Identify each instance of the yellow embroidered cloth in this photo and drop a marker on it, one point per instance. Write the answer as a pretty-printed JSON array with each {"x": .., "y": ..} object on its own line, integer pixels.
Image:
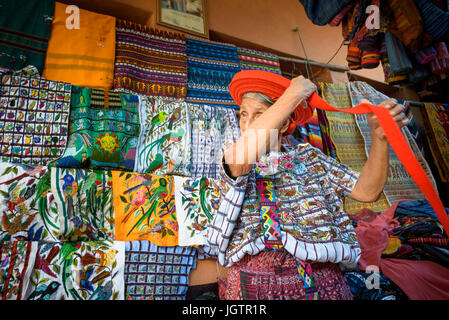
[{"x": 82, "y": 56}]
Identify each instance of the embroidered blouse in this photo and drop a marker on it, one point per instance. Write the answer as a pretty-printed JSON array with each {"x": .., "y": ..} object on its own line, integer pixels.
[{"x": 309, "y": 188}]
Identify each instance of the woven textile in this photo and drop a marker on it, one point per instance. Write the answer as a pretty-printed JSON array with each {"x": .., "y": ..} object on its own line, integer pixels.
[
  {"x": 83, "y": 54},
  {"x": 34, "y": 116},
  {"x": 150, "y": 61},
  {"x": 348, "y": 142},
  {"x": 157, "y": 273},
  {"x": 164, "y": 142},
  {"x": 104, "y": 130},
  {"x": 436, "y": 122},
  {"x": 145, "y": 208},
  {"x": 258, "y": 60},
  {"x": 84, "y": 204},
  {"x": 213, "y": 129},
  {"x": 387, "y": 290},
  {"x": 399, "y": 184},
  {"x": 210, "y": 68},
  {"x": 24, "y": 32}
]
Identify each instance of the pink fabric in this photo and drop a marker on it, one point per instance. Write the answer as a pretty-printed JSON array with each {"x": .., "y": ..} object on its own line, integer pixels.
[{"x": 418, "y": 279}]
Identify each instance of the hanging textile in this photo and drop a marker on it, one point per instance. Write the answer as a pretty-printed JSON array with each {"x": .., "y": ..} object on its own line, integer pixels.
[
  {"x": 210, "y": 68},
  {"x": 436, "y": 123},
  {"x": 213, "y": 130},
  {"x": 436, "y": 20},
  {"x": 104, "y": 130},
  {"x": 322, "y": 12},
  {"x": 197, "y": 201},
  {"x": 83, "y": 54},
  {"x": 91, "y": 270},
  {"x": 150, "y": 61},
  {"x": 157, "y": 273},
  {"x": 24, "y": 32},
  {"x": 400, "y": 184},
  {"x": 144, "y": 206},
  {"x": 397, "y": 55},
  {"x": 258, "y": 60},
  {"x": 34, "y": 119},
  {"x": 348, "y": 142},
  {"x": 16, "y": 265},
  {"x": 164, "y": 142},
  {"x": 386, "y": 290},
  {"x": 84, "y": 203}
]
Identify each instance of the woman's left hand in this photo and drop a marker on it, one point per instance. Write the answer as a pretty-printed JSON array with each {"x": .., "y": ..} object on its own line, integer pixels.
[{"x": 396, "y": 111}]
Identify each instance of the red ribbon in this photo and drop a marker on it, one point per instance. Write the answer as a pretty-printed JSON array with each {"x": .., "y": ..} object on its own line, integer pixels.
[{"x": 273, "y": 85}]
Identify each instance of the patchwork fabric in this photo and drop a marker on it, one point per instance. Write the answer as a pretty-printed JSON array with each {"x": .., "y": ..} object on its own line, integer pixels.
[
  {"x": 213, "y": 130},
  {"x": 150, "y": 61},
  {"x": 77, "y": 271},
  {"x": 16, "y": 265},
  {"x": 258, "y": 60},
  {"x": 196, "y": 200},
  {"x": 104, "y": 129},
  {"x": 34, "y": 116},
  {"x": 210, "y": 68},
  {"x": 157, "y": 273},
  {"x": 24, "y": 32},
  {"x": 348, "y": 142},
  {"x": 84, "y": 204},
  {"x": 399, "y": 185},
  {"x": 83, "y": 54},
  {"x": 23, "y": 214},
  {"x": 145, "y": 209},
  {"x": 309, "y": 189},
  {"x": 164, "y": 143}
]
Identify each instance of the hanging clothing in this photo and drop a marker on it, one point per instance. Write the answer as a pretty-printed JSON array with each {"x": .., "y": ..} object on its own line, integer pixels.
[
  {"x": 24, "y": 33},
  {"x": 322, "y": 12},
  {"x": 81, "y": 50}
]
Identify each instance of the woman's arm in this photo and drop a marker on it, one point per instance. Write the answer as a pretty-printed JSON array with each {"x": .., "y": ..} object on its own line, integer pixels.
[
  {"x": 255, "y": 141},
  {"x": 374, "y": 174}
]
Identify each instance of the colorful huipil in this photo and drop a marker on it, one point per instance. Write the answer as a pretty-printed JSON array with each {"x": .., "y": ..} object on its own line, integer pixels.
[
  {"x": 251, "y": 59},
  {"x": 310, "y": 188},
  {"x": 145, "y": 209},
  {"x": 34, "y": 117},
  {"x": 196, "y": 200},
  {"x": 157, "y": 273},
  {"x": 84, "y": 204},
  {"x": 150, "y": 61},
  {"x": 104, "y": 130},
  {"x": 164, "y": 142},
  {"x": 91, "y": 270}
]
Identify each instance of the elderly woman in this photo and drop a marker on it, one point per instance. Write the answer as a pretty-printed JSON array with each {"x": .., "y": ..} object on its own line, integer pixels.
[{"x": 281, "y": 226}]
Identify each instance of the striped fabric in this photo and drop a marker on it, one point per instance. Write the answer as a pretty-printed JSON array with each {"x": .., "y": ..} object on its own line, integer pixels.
[
  {"x": 150, "y": 61},
  {"x": 25, "y": 28},
  {"x": 436, "y": 21},
  {"x": 370, "y": 59},
  {"x": 211, "y": 66},
  {"x": 397, "y": 55},
  {"x": 258, "y": 60}
]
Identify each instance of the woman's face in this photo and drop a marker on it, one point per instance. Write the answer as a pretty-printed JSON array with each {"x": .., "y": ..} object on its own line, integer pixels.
[{"x": 250, "y": 110}]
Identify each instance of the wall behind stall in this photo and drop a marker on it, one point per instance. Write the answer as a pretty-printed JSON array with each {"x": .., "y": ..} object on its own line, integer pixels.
[{"x": 267, "y": 23}]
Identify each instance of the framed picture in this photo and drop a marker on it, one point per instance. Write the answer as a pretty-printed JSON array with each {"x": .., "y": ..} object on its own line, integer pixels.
[{"x": 188, "y": 16}]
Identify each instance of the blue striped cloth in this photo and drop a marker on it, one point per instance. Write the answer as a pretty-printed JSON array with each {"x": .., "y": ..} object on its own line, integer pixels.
[
  {"x": 436, "y": 21},
  {"x": 397, "y": 55}
]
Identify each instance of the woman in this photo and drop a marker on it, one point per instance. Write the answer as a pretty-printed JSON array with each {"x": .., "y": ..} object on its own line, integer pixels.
[{"x": 282, "y": 211}]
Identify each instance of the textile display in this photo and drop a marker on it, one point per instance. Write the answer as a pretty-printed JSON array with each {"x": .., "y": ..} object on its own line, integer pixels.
[
  {"x": 309, "y": 187},
  {"x": 210, "y": 68},
  {"x": 16, "y": 265},
  {"x": 251, "y": 59},
  {"x": 24, "y": 36},
  {"x": 84, "y": 204},
  {"x": 77, "y": 271},
  {"x": 157, "y": 273},
  {"x": 399, "y": 184},
  {"x": 320, "y": 12},
  {"x": 34, "y": 119},
  {"x": 144, "y": 206},
  {"x": 21, "y": 208},
  {"x": 87, "y": 55},
  {"x": 435, "y": 20},
  {"x": 387, "y": 290},
  {"x": 164, "y": 142},
  {"x": 197, "y": 201},
  {"x": 214, "y": 129},
  {"x": 104, "y": 130},
  {"x": 150, "y": 61},
  {"x": 348, "y": 141},
  {"x": 397, "y": 56}
]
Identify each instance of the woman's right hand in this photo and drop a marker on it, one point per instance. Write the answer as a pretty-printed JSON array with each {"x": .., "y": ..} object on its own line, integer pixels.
[{"x": 301, "y": 87}]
